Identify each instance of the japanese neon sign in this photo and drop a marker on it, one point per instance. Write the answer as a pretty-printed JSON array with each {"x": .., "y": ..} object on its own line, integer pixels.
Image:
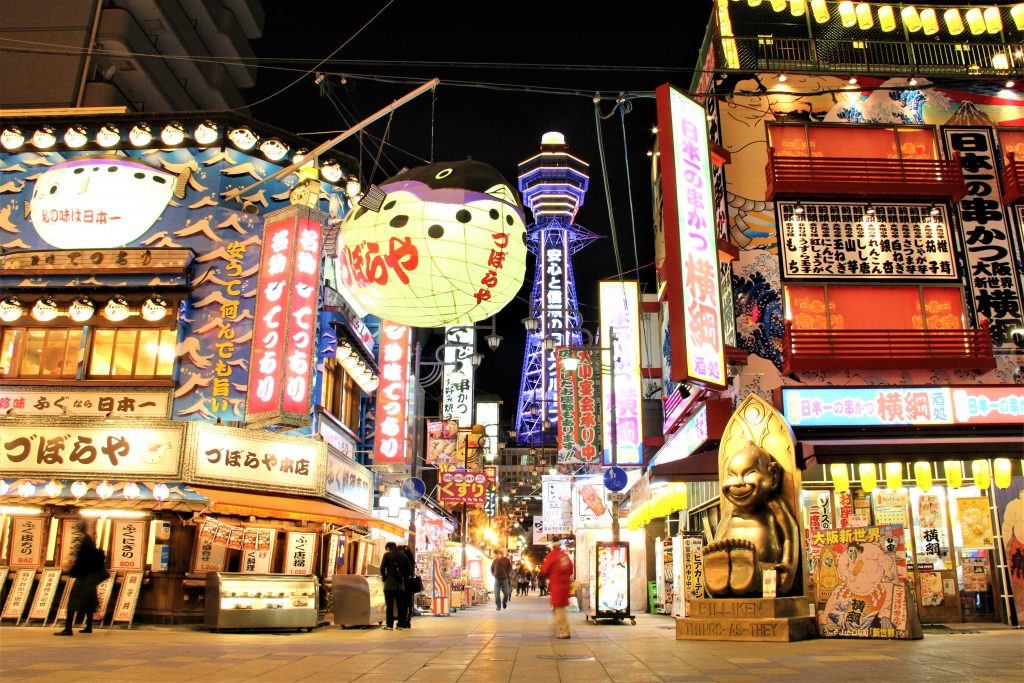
[
  {"x": 691, "y": 260},
  {"x": 684, "y": 440},
  {"x": 393, "y": 394},
  {"x": 283, "y": 331},
  {"x": 903, "y": 406},
  {"x": 457, "y": 397},
  {"x": 620, "y": 330},
  {"x": 579, "y": 409}
]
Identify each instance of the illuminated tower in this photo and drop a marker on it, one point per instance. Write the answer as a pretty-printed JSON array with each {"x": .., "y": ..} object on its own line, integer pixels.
[{"x": 553, "y": 184}]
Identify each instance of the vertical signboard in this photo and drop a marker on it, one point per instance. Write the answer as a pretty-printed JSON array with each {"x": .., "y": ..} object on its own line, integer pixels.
[
  {"x": 555, "y": 318},
  {"x": 691, "y": 258},
  {"x": 298, "y": 556},
  {"x": 457, "y": 397},
  {"x": 17, "y": 598},
  {"x": 128, "y": 545},
  {"x": 995, "y": 291},
  {"x": 27, "y": 534},
  {"x": 127, "y": 598},
  {"x": 71, "y": 535},
  {"x": 488, "y": 414},
  {"x": 620, "y": 332},
  {"x": 393, "y": 395},
  {"x": 579, "y": 409},
  {"x": 45, "y": 592},
  {"x": 557, "y": 492},
  {"x": 285, "y": 325},
  {"x": 257, "y": 550}
]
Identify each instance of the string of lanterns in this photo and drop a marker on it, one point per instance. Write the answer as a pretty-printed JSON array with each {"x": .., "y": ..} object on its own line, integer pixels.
[
  {"x": 104, "y": 490},
  {"x": 663, "y": 502},
  {"x": 356, "y": 367},
  {"x": 1001, "y": 473},
  {"x": 862, "y": 15},
  {"x": 82, "y": 309}
]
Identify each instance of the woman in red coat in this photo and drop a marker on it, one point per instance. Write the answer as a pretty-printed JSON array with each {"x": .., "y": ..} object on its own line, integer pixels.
[{"x": 558, "y": 570}]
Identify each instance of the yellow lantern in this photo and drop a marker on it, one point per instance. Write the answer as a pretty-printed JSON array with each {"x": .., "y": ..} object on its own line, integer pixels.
[
  {"x": 893, "y": 475},
  {"x": 982, "y": 476},
  {"x": 864, "y": 17},
  {"x": 954, "y": 470},
  {"x": 680, "y": 494},
  {"x": 424, "y": 256},
  {"x": 993, "y": 20},
  {"x": 840, "y": 476},
  {"x": 929, "y": 21},
  {"x": 820, "y": 10},
  {"x": 847, "y": 14},
  {"x": 975, "y": 20},
  {"x": 868, "y": 476},
  {"x": 778, "y": 5},
  {"x": 1017, "y": 14},
  {"x": 1002, "y": 471},
  {"x": 886, "y": 18},
  {"x": 911, "y": 19},
  {"x": 923, "y": 475},
  {"x": 954, "y": 23},
  {"x": 797, "y": 7}
]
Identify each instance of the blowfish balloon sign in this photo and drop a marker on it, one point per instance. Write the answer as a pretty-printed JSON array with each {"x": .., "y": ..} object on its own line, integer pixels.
[{"x": 447, "y": 246}]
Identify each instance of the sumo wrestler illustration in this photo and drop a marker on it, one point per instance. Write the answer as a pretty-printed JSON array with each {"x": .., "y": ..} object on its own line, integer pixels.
[
  {"x": 442, "y": 244},
  {"x": 758, "y": 530}
]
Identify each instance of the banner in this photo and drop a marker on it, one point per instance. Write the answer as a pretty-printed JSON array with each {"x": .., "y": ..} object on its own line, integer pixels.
[
  {"x": 457, "y": 486},
  {"x": 975, "y": 522},
  {"x": 579, "y": 408},
  {"x": 457, "y": 386},
  {"x": 257, "y": 550},
  {"x": 860, "y": 576},
  {"x": 557, "y": 492},
  {"x": 590, "y": 506},
  {"x": 442, "y": 441},
  {"x": 391, "y": 439},
  {"x": 540, "y": 537}
]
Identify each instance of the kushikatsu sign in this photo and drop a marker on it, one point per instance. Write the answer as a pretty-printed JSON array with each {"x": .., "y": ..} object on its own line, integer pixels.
[
  {"x": 691, "y": 261},
  {"x": 285, "y": 325},
  {"x": 620, "y": 332},
  {"x": 393, "y": 395}
]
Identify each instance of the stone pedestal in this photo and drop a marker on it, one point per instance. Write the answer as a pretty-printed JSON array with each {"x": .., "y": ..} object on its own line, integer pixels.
[{"x": 747, "y": 619}]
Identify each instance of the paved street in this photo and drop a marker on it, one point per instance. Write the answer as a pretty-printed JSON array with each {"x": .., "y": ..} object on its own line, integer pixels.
[{"x": 481, "y": 644}]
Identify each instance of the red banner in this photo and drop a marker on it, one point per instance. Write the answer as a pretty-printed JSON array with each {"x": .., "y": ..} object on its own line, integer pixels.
[
  {"x": 579, "y": 410},
  {"x": 282, "y": 344},
  {"x": 393, "y": 394},
  {"x": 463, "y": 487}
]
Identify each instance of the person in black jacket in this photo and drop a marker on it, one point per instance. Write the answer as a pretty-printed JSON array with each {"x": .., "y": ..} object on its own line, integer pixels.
[
  {"x": 412, "y": 587},
  {"x": 89, "y": 571},
  {"x": 395, "y": 568}
]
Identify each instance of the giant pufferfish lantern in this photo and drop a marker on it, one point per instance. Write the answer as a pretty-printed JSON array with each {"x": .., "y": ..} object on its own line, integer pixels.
[{"x": 446, "y": 247}]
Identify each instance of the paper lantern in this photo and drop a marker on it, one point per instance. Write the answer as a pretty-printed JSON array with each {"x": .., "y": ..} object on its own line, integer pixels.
[
  {"x": 929, "y": 21},
  {"x": 982, "y": 476},
  {"x": 954, "y": 470},
  {"x": 104, "y": 490},
  {"x": 820, "y": 10},
  {"x": 975, "y": 20},
  {"x": 160, "y": 492},
  {"x": 1002, "y": 471},
  {"x": 893, "y": 475},
  {"x": 847, "y": 14},
  {"x": 52, "y": 488},
  {"x": 797, "y": 7},
  {"x": 446, "y": 247},
  {"x": 840, "y": 476},
  {"x": 679, "y": 496},
  {"x": 911, "y": 19},
  {"x": 993, "y": 20},
  {"x": 79, "y": 489},
  {"x": 26, "y": 489},
  {"x": 779, "y": 5},
  {"x": 864, "y": 17},
  {"x": 954, "y": 22},
  {"x": 886, "y": 18},
  {"x": 4, "y": 487},
  {"x": 923, "y": 475},
  {"x": 868, "y": 476},
  {"x": 131, "y": 490},
  {"x": 1017, "y": 14}
]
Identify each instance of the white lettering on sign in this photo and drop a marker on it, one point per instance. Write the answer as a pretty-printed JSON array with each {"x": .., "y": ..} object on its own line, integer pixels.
[{"x": 393, "y": 394}]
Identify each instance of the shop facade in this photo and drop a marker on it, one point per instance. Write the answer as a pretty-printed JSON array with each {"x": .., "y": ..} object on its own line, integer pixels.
[{"x": 157, "y": 373}]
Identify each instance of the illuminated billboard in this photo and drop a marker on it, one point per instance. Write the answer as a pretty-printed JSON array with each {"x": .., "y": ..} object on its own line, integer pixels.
[{"x": 620, "y": 332}]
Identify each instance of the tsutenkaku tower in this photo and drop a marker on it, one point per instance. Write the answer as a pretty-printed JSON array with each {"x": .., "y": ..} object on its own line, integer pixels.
[{"x": 553, "y": 184}]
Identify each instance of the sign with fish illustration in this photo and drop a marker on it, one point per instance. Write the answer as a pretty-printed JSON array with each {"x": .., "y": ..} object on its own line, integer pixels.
[
  {"x": 131, "y": 219},
  {"x": 442, "y": 244}
]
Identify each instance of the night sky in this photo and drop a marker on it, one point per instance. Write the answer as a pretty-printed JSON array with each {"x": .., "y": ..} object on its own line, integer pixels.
[{"x": 496, "y": 112}]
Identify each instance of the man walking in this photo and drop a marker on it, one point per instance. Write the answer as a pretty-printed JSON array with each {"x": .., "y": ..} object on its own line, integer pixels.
[
  {"x": 395, "y": 569},
  {"x": 501, "y": 570}
]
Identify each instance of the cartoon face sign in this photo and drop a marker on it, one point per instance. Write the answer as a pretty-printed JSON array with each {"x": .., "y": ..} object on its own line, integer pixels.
[
  {"x": 99, "y": 203},
  {"x": 447, "y": 247},
  {"x": 751, "y": 478}
]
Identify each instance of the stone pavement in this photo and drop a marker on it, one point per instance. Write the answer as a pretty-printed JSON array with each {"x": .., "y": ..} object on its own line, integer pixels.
[{"x": 484, "y": 645}]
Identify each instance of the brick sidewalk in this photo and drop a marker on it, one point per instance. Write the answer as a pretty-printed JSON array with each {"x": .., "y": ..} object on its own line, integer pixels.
[{"x": 481, "y": 644}]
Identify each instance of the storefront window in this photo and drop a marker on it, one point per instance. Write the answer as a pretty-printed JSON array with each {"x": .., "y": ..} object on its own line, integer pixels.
[
  {"x": 40, "y": 352},
  {"x": 340, "y": 394},
  {"x": 820, "y": 307},
  {"x": 138, "y": 353}
]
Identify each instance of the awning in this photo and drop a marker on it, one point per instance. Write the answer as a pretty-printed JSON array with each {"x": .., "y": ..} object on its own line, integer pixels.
[
  {"x": 907, "y": 449},
  {"x": 285, "y": 507}
]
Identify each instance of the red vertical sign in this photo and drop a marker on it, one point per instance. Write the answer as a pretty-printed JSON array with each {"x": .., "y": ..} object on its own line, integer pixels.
[
  {"x": 286, "y": 309},
  {"x": 392, "y": 394}
]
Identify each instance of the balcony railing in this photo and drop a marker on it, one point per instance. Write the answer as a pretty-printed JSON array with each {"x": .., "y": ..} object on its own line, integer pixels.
[
  {"x": 1013, "y": 180},
  {"x": 833, "y": 176},
  {"x": 969, "y": 349},
  {"x": 790, "y": 55}
]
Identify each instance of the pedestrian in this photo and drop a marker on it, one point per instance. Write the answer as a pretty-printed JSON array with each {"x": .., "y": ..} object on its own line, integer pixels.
[
  {"x": 395, "y": 569},
  {"x": 558, "y": 570},
  {"x": 524, "y": 581},
  {"x": 413, "y": 586},
  {"x": 501, "y": 570},
  {"x": 542, "y": 584},
  {"x": 89, "y": 571}
]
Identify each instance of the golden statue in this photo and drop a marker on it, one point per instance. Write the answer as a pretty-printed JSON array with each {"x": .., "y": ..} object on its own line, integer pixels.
[{"x": 758, "y": 530}]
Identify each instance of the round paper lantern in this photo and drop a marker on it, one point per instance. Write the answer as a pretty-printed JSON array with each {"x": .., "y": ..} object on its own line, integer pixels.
[
  {"x": 26, "y": 489},
  {"x": 868, "y": 476},
  {"x": 161, "y": 491},
  {"x": 840, "y": 476},
  {"x": 4, "y": 487},
  {"x": 982, "y": 476},
  {"x": 53, "y": 488},
  {"x": 954, "y": 470},
  {"x": 447, "y": 245},
  {"x": 131, "y": 490},
  {"x": 1001, "y": 469},
  {"x": 104, "y": 489},
  {"x": 893, "y": 475},
  {"x": 923, "y": 475},
  {"x": 79, "y": 489}
]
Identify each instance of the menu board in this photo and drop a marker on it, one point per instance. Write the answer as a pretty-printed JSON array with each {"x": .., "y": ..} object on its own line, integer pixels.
[
  {"x": 612, "y": 579},
  {"x": 124, "y": 608},
  {"x": 257, "y": 550},
  {"x": 27, "y": 534},
  {"x": 128, "y": 545},
  {"x": 298, "y": 556},
  {"x": 210, "y": 557},
  {"x": 45, "y": 593},
  {"x": 17, "y": 599}
]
